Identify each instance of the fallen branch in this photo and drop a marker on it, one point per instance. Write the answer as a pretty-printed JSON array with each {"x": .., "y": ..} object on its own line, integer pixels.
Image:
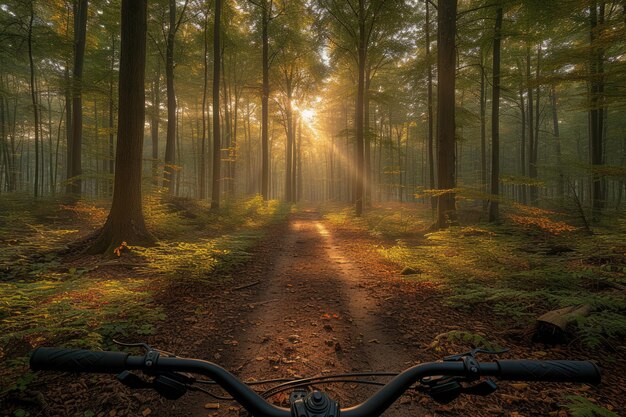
[
  {"x": 260, "y": 303},
  {"x": 243, "y": 287}
]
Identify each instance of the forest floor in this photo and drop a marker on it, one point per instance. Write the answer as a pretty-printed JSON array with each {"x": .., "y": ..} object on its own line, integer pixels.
[{"x": 326, "y": 295}]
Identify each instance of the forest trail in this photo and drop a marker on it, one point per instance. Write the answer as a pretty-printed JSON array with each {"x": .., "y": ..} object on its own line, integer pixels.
[{"x": 313, "y": 312}]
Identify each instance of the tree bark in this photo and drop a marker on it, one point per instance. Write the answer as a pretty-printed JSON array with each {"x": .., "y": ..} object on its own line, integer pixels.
[
  {"x": 446, "y": 129},
  {"x": 531, "y": 127},
  {"x": 111, "y": 119},
  {"x": 80, "y": 39},
  {"x": 560, "y": 184},
  {"x": 125, "y": 222},
  {"x": 596, "y": 117},
  {"x": 170, "y": 141},
  {"x": 483, "y": 128},
  {"x": 33, "y": 95},
  {"x": 522, "y": 196},
  {"x": 431, "y": 153},
  {"x": 68, "y": 130},
  {"x": 265, "y": 94},
  {"x": 155, "y": 122},
  {"x": 298, "y": 159},
  {"x": 359, "y": 119},
  {"x": 368, "y": 138},
  {"x": 203, "y": 138},
  {"x": 217, "y": 146},
  {"x": 534, "y": 190},
  {"x": 494, "y": 213},
  {"x": 289, "y": 147}
]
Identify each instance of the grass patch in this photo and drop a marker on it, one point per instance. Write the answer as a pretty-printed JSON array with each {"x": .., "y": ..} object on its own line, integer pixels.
[
  {"x": 51, "y": 300},
  {"x": 532, "y": 263}
]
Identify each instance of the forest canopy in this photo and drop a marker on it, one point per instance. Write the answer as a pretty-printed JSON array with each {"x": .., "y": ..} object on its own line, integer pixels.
[{"x": 357, "y": 101}]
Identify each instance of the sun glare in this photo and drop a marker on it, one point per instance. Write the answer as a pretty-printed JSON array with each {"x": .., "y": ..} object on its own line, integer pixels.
[{"x": 308, "y": 115}]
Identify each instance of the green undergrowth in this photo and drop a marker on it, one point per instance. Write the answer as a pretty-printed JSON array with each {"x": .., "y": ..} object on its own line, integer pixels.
[
  {"x": 48, "y": 299},
  {"x": 582, "y": 407},
  {"x": 391, "y": 221},
  {"x": 532, "y": 263}
]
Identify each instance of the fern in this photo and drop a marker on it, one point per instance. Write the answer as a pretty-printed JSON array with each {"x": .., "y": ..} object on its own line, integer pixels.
[
  {"x": 582, "y": 407},
  {"x": 596, "y": 328}
]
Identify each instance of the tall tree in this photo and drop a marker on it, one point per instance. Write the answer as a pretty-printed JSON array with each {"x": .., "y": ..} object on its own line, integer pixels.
[
  {"x": 125, "y": 222},
  {"x": 217, "y": 138},
  {"x": 431, "y": 157},
  {"x": 267, "y": 16},
  {"x": 495, "y": 121},
  {"x": 170, "y": 141},
  {"x": 446, "y": 125},
  {"x": 205, "y": 81},
  {"x": 80, "y": 40},
  {"x": 33, "y": 93},
  {"x": 596, "y": 104}
]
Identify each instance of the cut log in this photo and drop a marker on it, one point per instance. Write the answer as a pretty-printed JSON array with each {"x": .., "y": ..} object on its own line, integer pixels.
[{"x": 552, "y": 326}]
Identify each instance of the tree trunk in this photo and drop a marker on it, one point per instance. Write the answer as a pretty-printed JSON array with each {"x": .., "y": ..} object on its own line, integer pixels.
[
  {"x": 50, "y": 144},
  {"x": 33, "y": 95},
  {"x": 534, "y": 190},
  {"x": 494, "y": 213},
  {"x": 217, "y": 146},
  {"x": 531, "y": 127},
  {"x": 446, "y": 67},
  {"x": 68, "y": 130},
  {"x": 203, "y": 138},
  {"x": 596, "y": 119},
  {"x": 560, "y": 185},
  {"x": 298, "y": 159},
  {"x": 360, "y": 140},
  {"x": 367, "y": 152},
  {"x": 155, "y": 122},
  {"x": 522, "y": 197},
  {"x": 289, "y": 148},
  {"x": 111, "y": 120},
  {"x": 80, "y": 39},
  {"x": 227, "y": 139},
  {"x": 483, "y": 129},
  {"x": 170, "y": 141},
  {"x": 431, "y": 153},
  {"x": 4, "y": 140},
  {"x": 265, "y": 94},
  {"x": 126, "y": 222}
]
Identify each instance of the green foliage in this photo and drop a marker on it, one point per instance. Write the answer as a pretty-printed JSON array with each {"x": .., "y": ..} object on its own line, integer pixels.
[
  {"x": 389, "y": 222},
  {"x": 582, "y": 407},
  {"x": 513, "y": 270},
  {"x": 601, "y": 327},
  {"x": 189, "y": 253},
  {"x": 44, "y": 302}
]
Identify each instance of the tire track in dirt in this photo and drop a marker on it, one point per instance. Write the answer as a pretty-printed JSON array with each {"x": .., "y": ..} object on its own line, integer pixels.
[{"x": 314, "y": 313}]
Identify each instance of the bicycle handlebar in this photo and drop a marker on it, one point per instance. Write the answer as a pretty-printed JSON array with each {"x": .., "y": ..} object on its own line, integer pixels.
[{"x": 70, "y": 360}]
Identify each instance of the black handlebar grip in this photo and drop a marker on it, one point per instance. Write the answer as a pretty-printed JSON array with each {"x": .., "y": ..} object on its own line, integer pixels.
[
  {"x": 74, "y": 360},
  {"x": 550, "y": 371}
]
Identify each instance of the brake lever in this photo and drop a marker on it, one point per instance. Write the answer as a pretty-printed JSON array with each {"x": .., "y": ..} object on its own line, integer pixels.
[
  {"x": 146, "y": 347},
  {"x": 170, "y": 385}
]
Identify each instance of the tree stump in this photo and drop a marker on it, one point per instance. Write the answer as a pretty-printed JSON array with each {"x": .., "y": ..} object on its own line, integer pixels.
[{"x": 552, "y": 326}]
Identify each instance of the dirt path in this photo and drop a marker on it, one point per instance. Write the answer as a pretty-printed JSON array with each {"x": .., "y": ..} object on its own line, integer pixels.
[
  {"x": 325, "y": 302},
  {"x": 313, "y": 313}
]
